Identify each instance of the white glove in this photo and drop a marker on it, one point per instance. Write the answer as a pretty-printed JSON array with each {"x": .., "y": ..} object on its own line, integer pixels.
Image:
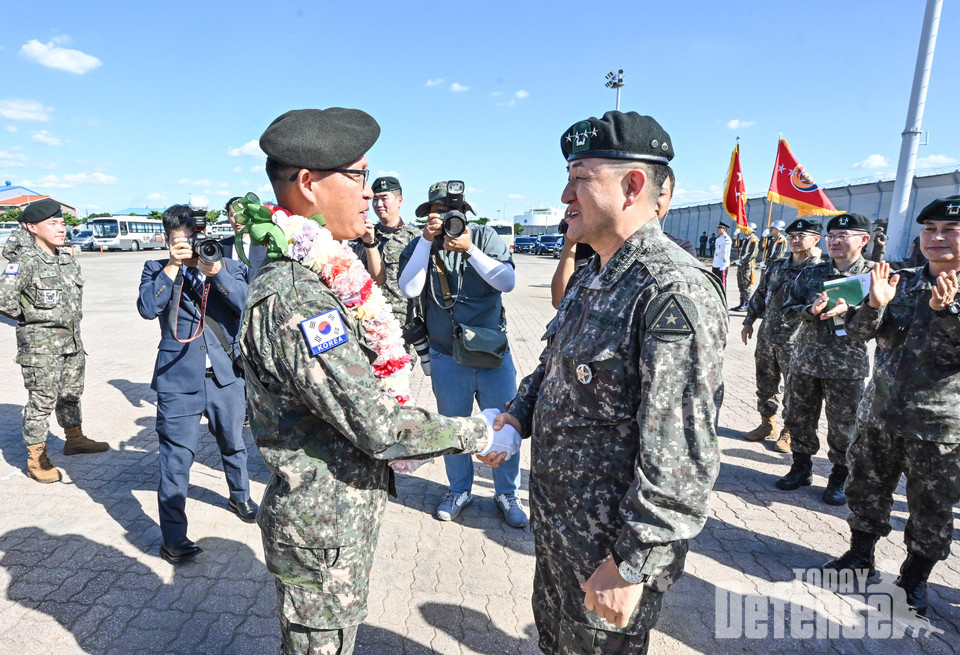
[
  {"x": 488, "y": 415},
  {"x": 407, "y": 465},
  {"x": 505, "y": 440}
]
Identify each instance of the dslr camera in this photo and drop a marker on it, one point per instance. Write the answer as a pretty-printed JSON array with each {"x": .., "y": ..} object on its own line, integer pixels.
[
  {"x": 415, "y": 333},
  {"x": 207, "y": 249},
  {"x": 454, "y": 221}
]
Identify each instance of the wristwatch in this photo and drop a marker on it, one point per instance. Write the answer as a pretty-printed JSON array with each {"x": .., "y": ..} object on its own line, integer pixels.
[
  {"x": 627, "y": 572},
  {"x": 953, "y": 309},
  {"x": 375, "y": 243}
]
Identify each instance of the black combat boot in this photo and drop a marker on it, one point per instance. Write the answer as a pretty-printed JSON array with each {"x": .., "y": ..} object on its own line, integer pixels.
[
  {"x": 860, "y": 555},
  {"x": 833, "y": 494},
  {"x": 913, "y": 580},
  {"x": 800, "y": 474}
]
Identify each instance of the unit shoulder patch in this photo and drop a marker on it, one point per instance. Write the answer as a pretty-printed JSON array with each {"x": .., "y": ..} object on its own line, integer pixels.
[
  {"x": 671, "y": 317},
  {"x": 324, "y": 331}
]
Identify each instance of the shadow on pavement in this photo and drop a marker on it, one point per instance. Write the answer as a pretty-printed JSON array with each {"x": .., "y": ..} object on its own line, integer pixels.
[
  {"x": 222, "y": 602},
  {"x": 11, "y": 436},
  {"x": 478, "y": 632}
]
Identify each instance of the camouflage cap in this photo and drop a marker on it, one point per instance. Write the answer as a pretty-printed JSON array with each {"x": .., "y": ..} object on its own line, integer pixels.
[
  {"x": 387, "y": 183},
  {"x": 804, "y": 225},
  {"x": 941, "y": 209},
  {"x": 857, "y": 222},
  {"x": 320, "y": 139},
  {"x": 438, "y": 193},
  {"x": 40, "y": 210},
  {"x": 618, "y": 135}
]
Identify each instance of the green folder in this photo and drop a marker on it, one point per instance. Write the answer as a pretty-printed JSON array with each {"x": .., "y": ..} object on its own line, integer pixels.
[{"x": 853, "y": 289}]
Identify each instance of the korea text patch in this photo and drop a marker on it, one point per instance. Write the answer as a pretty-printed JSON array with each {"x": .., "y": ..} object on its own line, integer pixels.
[{"x": 324, "y": 331}]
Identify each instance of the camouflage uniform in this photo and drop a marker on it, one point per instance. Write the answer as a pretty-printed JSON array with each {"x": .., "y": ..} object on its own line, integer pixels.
[
  {"x": 392, "y": 243},
  {"x": 44, "y": 293},
  {"x": 776, "y": 336},
  {"x": 745, "y": 267},
  {"x": 18, "y": 241},
  {"x": 326, "y": 433},
  {"x": 623, "y": 410},
  {"x": 909, "y": 421},
  {"x": 879, "y": 247},
  {"x": 776, "y": 249},
  {"x": 825, "y": 368}
]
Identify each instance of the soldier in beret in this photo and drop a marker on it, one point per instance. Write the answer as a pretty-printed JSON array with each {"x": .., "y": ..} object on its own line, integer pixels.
[
  {"x": 42, "y": 289},
  {"x": 325, "y": 430},
  {"x": 615, "y": 489},
  {"x": 908, "y": 421},
  {"x": 776, "y": 336},
  {"x": 745, "y": 263},
  {"x": 382, "y": 243},
  {"x": 827, "y": 368}
]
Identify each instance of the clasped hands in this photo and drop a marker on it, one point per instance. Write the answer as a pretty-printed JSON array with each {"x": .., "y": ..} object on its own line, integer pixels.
[{"x": 504, "y": 437}]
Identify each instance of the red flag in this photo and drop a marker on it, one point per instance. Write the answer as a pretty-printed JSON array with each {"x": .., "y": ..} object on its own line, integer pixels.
[
  {"x": 735, "y": 192},
  {"x": 792, "y": 186}
]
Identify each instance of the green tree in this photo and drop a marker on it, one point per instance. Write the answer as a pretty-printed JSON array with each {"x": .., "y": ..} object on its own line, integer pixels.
[
  {"x": 481, "y": 221},
  {"x": 155, "y": 215},
  {"x": 517, "y": 229},
  {"x": 213, "y": 215},
  {"x": 12, "y": 214},
  {"x": 99, "y": 215},
  {"x": 70, "y": 219}
]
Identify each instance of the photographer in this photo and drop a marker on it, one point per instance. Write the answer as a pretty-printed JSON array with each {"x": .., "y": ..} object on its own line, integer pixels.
[
  {"x": 198, "y": 297},
  {"x": 462, "y": 272}
]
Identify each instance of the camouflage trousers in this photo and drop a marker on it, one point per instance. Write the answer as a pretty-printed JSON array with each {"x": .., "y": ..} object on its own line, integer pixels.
[
  {"x": 876, "y": 459},
  {"x": 744, "y": 272},
  {"x": 53, "y": 383},
  {"x": 301, "y": 640},
  {"x": 321, "y": 589},
  {"x": 772, "y": 361},
  {"x": 803, "y": 399},
  {"x": 561, "y": 617}
]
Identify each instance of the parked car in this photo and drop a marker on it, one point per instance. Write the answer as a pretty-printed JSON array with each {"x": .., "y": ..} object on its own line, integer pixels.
[
  {"x": 545, "y": 243},
  {"x": 557, "y": 247},
  {"x": 83, "y": 239},
  {"x": 523, "y": 244}
]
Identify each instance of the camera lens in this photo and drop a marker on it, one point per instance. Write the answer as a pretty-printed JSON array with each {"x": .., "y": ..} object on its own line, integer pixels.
[
  {"x": 209, "y": 250},
  {"x": 454, "y": 224}
]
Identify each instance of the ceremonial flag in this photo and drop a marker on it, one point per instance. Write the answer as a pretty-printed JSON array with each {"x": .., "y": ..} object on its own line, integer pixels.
[
  {"x": 792, "y": 186},
  {"x": 735, "y": 192}
]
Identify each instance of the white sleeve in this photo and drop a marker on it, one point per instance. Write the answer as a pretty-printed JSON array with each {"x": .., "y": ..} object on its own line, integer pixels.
[
  {"x": 414, "y": 274},
  {"x": 498, "y": 275}
]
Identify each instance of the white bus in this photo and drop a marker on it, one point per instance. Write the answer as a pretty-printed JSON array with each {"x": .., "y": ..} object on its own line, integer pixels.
[{"x": 127, "y": 233}]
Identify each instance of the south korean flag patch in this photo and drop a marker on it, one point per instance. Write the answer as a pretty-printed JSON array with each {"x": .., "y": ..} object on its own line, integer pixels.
[
  {"x": 324, "y": 331},
  {"x": 12, "y": 268}
]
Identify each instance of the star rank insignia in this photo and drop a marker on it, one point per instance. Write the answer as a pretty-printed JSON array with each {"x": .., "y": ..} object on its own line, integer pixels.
[
  {"x": 671, "y": 317},
  {"x": 584, "y": 374}
]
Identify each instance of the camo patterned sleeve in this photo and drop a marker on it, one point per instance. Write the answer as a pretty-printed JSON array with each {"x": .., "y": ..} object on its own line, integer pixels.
[
  {"x": 10, "y": 288},
  {"x": 758, "y": 301}
]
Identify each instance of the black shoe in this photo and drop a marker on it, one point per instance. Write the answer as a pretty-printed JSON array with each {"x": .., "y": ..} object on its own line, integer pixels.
[
  {"x": 184, "y": 551},
  {"x": 833, "y": 494},
  {"x": 860, "y": 557},
  {"x": 247, "y": 510},
  {"x": 913, "y": 580},
  {"x": 800, "y": 474}
]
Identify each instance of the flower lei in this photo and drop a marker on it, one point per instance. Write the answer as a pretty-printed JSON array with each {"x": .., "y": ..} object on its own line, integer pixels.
[{"x": 308, "y": 241}]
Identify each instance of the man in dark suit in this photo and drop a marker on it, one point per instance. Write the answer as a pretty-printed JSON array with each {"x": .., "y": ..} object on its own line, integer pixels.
[
  {"x": 198, "y": 304},
  {"x": 256, "y": 254}
]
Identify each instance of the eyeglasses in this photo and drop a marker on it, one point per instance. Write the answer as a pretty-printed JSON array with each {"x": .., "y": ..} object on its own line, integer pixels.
[
  {"x": 365, "y": 174},
  {"x": 799, "y": 236},
  {"x": 839, "y": 236}
]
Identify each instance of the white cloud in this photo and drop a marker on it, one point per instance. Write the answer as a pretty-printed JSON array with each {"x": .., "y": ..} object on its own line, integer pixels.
[
  {"x": 435, "y": 81},
  {"x": 225, "y": 194},
  {"x": 256, "y": 169},
  {"x": 71, "y": 180},
  {"x": 24, "y": 110},
  {"x": 238, "y": 169},
  {"x": 11, "y": 128},
  {"x": 188, "y": 182},
  {"x": 521, "y": 94},
  {"x": 46, "y": 138},
  {"x": 248, "y": 149},
  {"x": 737, "y": 123},
  {"x": 52, "y": 55},
  {"x": 458, "y": 87},
  {"x": 473, "y": 190},
  {"x": 935, "y": 160},
  {"x": 497, "y": 94},
  {"x": 245, "y": 183},
  {"x": 11, "y": 159},
  {"x": 515, "y": 196},
  {"x": 156, "y": 196},
  {"x": 265, "y": 188},
  {"x": 873, "y": 161}
]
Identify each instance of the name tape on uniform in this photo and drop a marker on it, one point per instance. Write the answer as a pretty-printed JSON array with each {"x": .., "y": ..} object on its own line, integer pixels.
[{"x": 324, "y": 331}]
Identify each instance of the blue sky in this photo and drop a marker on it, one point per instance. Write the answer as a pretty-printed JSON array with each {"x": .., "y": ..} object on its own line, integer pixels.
[{"x": 108, "y": 105}]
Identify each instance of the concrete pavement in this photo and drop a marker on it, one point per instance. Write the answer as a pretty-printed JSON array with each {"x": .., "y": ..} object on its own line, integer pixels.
[{"x": 80, "y": 572}]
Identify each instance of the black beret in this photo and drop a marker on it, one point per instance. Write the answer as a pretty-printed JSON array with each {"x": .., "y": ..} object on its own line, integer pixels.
[
  {"x": 387, "y": 183},
  {"x": 857, "y": 222},
  {"x": 40, "y": 210},
  {"x": 618, "y": 135},
  {"x": 803, "y": 225},
  {"x": 941, "y": 209},
  {"x": 320, "y": 139}
]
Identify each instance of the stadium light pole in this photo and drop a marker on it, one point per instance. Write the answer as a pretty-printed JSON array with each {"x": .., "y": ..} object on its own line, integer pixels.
[
  {"x": 898, "y": 225},
  {"x": 615, "y": 81}
]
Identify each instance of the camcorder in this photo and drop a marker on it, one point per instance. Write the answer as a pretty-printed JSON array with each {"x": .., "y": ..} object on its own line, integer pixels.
[
  {"x": 415, "y": 333},
  {"x": 207, "y": 249}
]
